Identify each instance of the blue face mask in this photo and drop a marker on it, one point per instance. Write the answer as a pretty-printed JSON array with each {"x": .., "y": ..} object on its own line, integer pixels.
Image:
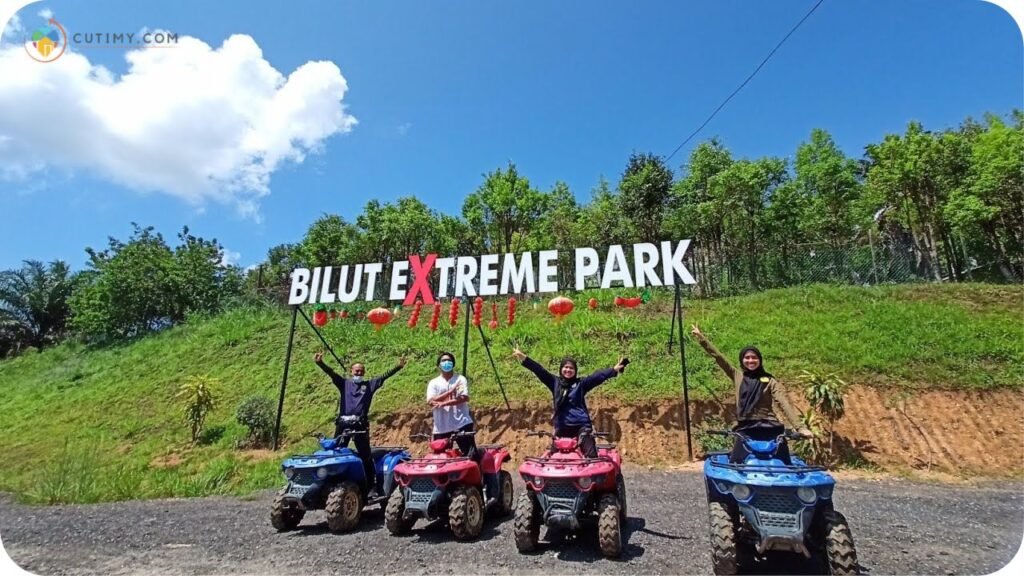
[
  {"x": 447, "y": 365},
  {"x": 357, "y": 379}
]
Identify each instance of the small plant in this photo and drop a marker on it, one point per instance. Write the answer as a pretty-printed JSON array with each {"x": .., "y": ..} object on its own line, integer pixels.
[
  {"x": 812, "y": 450},
  {"x": 256, "y": 413},
  {"x": 825, "y": 395},
  {"x": 196, "y": 396},
  {"x": 713, "y": 442}
]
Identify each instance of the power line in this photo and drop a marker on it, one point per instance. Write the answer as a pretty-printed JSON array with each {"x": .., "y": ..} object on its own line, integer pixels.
[{"x": 752, "y": 74}]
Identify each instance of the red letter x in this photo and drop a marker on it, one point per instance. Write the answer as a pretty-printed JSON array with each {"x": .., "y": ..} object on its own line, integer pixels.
[{"x": 421, "y": 275}]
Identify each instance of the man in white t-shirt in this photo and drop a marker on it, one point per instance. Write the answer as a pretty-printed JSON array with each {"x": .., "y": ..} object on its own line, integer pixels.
[{"x": 448, "y": 395}]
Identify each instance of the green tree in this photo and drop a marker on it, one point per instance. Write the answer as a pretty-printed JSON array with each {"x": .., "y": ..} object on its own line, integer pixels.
[
  {"x": 503, "y": 211},
  {"x": 329, "y": 241},
  {"x": 645, "y": 191},
  {"x": 829, "y": 183},
  {"x": 34, "y": 308}
]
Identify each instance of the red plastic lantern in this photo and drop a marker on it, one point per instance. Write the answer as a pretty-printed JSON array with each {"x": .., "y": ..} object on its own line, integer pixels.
[
  {"x": 344, "y": 314},
  {"x": 493, "y": 324},
  {"x": 618, "y": 300},
  {"x": 453, "y": 313},
  {"x": 592, "y": 303},
  {"x": 478, "y": 308},
  {"x": 379, "y": 317},
  {"x": 320, "y": 317},
  {"x": 511, "y": 311},
  {"x": 435, "y": 316},
  {"x": 560, "y": 307}
]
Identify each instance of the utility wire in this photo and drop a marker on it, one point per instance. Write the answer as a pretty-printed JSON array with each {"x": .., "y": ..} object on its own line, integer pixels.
[{"x": 752, "y": 74}]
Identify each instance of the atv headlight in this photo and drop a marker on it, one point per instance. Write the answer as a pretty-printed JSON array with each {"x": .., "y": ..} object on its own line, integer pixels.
[
  {"x": 321, "y": 473},
  {"x": 806, "y": 494},
  {"x": 289, "y": 473},
  {"x": 740, "y": 491},
  {"x": 585, "y": 483},
  {"x": 538, "y": 482}
]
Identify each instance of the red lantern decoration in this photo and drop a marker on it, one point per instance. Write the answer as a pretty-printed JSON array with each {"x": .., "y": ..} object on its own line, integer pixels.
[
  {"x": 478, "y": 308},
  {"x": 320, "y": 317},
  {"x": 493, "y": 324},
  {"x": 511, "y": 311},
  {"x": 379, "y": 317},
  {"x": 628, "y": 302},
  {"x": 618, "y": 300},
  {"x": 344, "y": 314},
  {"x": 453, "y": 313},
  {"x": 592, "y": 303},
  {"x": 560, "y": 307},
  {"x": 435, "y": 316}
]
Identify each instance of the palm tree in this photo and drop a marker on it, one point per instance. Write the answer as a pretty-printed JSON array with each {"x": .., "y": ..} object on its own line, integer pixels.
[{"x": 34, "y": 306}]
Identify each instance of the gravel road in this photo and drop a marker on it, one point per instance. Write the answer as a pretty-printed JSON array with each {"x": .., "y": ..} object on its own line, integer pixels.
[{"x": 899, "y": 527}]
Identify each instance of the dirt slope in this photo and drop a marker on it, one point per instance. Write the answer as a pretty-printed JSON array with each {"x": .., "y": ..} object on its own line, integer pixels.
[{"x": 963, "y": 433}]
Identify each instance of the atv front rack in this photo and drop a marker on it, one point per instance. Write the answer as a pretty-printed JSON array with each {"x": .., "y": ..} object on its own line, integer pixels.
[
  {"x": 767, "y": 469},
  {"x": 441, "y": 461},
  {"x": 578, "y": 462}
]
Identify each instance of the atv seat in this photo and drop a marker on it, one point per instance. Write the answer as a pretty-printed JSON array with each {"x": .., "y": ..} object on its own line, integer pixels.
[
  {"x": 378, "y": 452},
  {"x": 490, "y": 446},
  {"x": 606, "y": 446}
]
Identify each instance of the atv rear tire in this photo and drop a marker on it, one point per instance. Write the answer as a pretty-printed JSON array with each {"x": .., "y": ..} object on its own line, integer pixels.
[
  {"x": 284, "y": 517},
  {"x": 609, "y": 526},
  {"x": 466, "y": 512},
  {"x": 507, "y": 505},
  {"x": 527, "y": 523},
  {"x": 344, "y": 507},
  {"x": 723, "y": 539},
  {"x": 620, "y": 487},
  {"x": 394, "y": 514},
  {"x": 840, "y": 552}
]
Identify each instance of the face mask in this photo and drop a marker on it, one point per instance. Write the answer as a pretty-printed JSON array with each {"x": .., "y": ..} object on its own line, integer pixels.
[
  {"x": 447, "y": 365},
  {"x": 357, "y": 379}
]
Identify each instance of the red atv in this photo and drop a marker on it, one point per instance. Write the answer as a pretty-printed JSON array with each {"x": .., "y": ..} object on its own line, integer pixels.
[
  {"x": 449, "y": 486},
  {"x": 566, "y": 489}
]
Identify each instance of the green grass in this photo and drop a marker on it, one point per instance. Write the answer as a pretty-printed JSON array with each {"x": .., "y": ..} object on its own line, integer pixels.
[{"x": 86, "y": 425}]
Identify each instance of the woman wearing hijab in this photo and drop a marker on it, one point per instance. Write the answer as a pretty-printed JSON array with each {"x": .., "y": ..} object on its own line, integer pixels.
[
  {"x": 756, "y": 392},
  {"x": 571, "y": 417}
]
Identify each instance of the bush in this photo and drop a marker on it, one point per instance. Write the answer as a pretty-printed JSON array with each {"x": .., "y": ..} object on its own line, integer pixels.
[
  {"x": 211, "y": 435},
  {"x": 257, "y": 414}
]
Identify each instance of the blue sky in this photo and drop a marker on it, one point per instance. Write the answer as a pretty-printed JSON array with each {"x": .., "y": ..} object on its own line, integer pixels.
[{"x": 446, "y": 91}]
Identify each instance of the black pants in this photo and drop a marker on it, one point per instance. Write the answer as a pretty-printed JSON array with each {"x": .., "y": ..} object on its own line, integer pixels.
[
  {"x": 466, "y": 444},
  {"x": 362, "y": 443},
  {"x": 759, "y": 431},
  {"x": 587, "y": 442}
]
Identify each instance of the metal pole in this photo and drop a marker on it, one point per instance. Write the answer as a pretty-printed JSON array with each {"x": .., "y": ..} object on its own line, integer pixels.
[
  {"x": 682, "y": 362},
  {"x": 284, "y": 379},
  {"x": 465, "y": 340},
  {"x": 874, "y": 267},
  {"x": 320, "y": 336},
  {"x": 672, "y": 324},
  {"x": 487, "y": 347}
]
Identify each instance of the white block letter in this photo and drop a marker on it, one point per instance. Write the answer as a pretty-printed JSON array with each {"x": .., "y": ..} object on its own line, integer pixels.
[
  {"x": 586, "y": 265},
  {"x": 372, "y": 271},
  {"x": 464, "y": 274},
  {"x": 300, "y": 286},
  {"x": 673, "y": 262},
  {"x": 488, "y": 275},
  {"x": 398, "y": 280},
  {"x": 645, "y": 260},
  {"x": 547, "y": 270},
  {"x": 616, "y": 269}
]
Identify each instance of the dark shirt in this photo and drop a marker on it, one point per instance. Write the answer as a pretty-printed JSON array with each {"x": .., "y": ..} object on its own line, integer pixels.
[
  {"x": 355, "y": 397},
  {"x": 573, "y": 412}
]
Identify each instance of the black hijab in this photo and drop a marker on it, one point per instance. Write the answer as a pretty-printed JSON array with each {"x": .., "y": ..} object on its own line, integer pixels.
[
  {"x": 752, "y": 387},
  {"x": 563, "y": 386}
]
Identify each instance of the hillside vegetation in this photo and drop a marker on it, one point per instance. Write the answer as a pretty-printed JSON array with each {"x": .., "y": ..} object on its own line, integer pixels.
[{"x": 88, "y": 424}]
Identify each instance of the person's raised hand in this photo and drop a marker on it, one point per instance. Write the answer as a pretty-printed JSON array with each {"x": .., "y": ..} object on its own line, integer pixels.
[
  {"x": 318, "y": 357},
  {"x": 519, "y": 354},
  {"x": 695, "y": 330},
  {"x": 402, "y": 361},
  {"x": 621, "y": 366}
]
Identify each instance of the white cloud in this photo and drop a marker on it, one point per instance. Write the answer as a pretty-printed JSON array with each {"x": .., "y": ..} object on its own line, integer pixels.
[
  {"x": 46, "y": 13},
  {"x": 403, "y": 128},
  {"x": 229, "y": 257},
  {"x": 199, "y": 123},
  {"x": 13, "y": 31}
]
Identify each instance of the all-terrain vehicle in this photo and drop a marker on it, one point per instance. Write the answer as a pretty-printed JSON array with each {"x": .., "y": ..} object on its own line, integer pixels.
[
  {"x": 565, "y": 490},
  {"x": 764, "y": 505},
  {"x": 447, "y": 485},
  {"x": 333, "y": 479}
]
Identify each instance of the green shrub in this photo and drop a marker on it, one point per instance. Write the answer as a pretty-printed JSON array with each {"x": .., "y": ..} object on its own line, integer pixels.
[{"x": 257, "y": 414}]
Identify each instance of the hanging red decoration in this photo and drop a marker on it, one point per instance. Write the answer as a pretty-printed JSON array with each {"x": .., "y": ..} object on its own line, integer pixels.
[
  {"x": 320, "y": 316},
  {"x": 344, "y": 314},
  {"x": 379, "y": 317},
  {"x": 478, "y": 308},
  {"x": 627, "y": 302},
  {"x": 435, "y": 316},
  {"x": 493, "y": 324},
  {"x": 592, "y": 303},
  {"x": 511, "y": 311},
  {"x": 560, "y": 306},
  {"x": 453, "y": 313}
]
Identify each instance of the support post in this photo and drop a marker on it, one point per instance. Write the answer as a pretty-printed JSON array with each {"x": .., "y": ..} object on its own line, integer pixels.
[
  {"x": 320, "y": 336},
  {"x": 465, "y": 339},
  {"x": 672, "y": 324},
  {"x": 682, "y": 363},
  {"x": 487, "y": 347},
  {"x": 284, "y": 378}
]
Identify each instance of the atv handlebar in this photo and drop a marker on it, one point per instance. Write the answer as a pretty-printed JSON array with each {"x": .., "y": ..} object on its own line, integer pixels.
[
  {"x": 788, "y": 435},
  {"x": 539, "y": 433}
]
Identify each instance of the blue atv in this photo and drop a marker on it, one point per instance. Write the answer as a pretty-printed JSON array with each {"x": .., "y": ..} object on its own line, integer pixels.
[
  {"x": 765, "y": 505},
  {"x": 333, "y": 479}
]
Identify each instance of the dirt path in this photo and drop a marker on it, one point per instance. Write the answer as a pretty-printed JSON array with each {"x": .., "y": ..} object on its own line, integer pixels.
[
  {"x": 962, "y": 433},
  {"x": 900, "y": 527}
]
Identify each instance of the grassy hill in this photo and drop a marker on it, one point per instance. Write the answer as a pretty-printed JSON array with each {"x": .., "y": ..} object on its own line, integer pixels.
[{"x": 83, "y": 424}]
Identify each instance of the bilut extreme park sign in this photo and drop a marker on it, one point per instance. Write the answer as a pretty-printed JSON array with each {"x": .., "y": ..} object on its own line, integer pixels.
[{"x": 493, "y": 274}]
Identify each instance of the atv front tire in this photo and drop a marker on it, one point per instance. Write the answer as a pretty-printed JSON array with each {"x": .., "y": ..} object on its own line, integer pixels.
[
  {"x": 840, "y": 551},
  {"x": 527, "y": 522},
  {"x": 620, "y": 487},
  {"x": 284, "y": 517},
  {"x": 344, "y": 507},
  {"x": 609, "y": 526},
  {"x": 394, "y": 514},
  {"x": 507, "y": 505},
  {"x": 466, "y": 512},
  {"x": 723, "y": 539}
]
